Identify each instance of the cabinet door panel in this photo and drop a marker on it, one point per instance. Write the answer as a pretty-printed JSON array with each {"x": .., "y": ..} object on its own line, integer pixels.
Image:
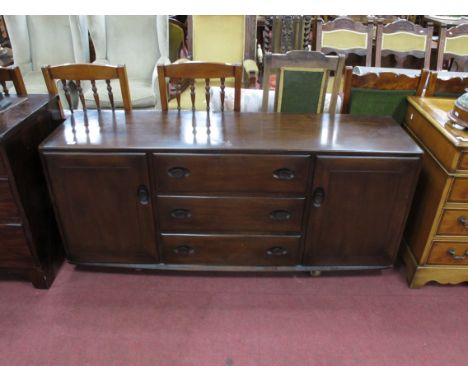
[
  {"x": 358, "y": 209},
  {"x": 104, "y": 207}
]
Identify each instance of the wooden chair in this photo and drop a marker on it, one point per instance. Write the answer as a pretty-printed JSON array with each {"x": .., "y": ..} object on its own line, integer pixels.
[
  {"x": 447, "y": 84},
  {"x": 380, "y": 94},
  {"x": 302, "y": 81},
  {"x": 13, "y": 74},
  {"x": 282, "y": 34},
  {"x": 199, "y": 70},
  {"x": 453, "y": 44},
  {"x": 88, "y": 72},
  {"x": 402, "y": 38},
  {"x": 345, "y": 36}
]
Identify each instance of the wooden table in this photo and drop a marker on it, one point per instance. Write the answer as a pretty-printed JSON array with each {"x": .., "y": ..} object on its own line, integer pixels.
[
  {"x": 436, "y": 238},
  {"x": 245, "y": 191},
  {"x": 29, "y": 238}
]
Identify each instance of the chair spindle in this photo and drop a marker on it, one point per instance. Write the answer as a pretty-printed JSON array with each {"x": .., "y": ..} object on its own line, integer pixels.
[
  {"x": 178, "y": 91},
  {"x": 67, "y": 94},
  {"x": 111, "y": 95},
  {"x": 80, "y": 94},
  {"x": 5, "y": 89},
  {"x": 192, "y": 93},
  {"x": 222, "y": 93},
  {"x": 207, "y": 93},
  {"x": 95, "y": 94}
]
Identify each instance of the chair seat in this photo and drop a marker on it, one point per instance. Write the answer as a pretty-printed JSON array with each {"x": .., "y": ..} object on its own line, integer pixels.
[
  {"x": 251, "y": 100},
  {"x": 141, "y": 93}
]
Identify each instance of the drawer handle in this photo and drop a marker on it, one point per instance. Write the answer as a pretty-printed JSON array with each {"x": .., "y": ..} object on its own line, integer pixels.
[
  {"x": 143, "y": 195},
  {"x": 277, "y": 251},
  {"x": 463, "y": 221},
  {"x": 178, "y": 172},
  {"x": 318, "y": 196},
  {"x": 280, "y": 215},
  {"x": 181, "y": 214},
  {"x": 184, "y": 250},
  {"x": 453, "y": 253},
  {"x": 283, "y": 174}
]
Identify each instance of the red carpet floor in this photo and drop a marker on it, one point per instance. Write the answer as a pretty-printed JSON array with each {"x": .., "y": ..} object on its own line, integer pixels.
[{"x": 129, "y": 318}]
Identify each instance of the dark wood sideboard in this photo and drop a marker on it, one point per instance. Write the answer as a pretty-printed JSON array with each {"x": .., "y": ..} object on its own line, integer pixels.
[
  {"x": 232, "y": 191},
  {"x": 436, "y": 239},
  {"x": 29, "y": 238}
]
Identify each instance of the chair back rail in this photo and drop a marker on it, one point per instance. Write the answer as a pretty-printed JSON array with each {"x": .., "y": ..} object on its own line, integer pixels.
[
  {"x": 13, "y": 74},
  {"x": 88, "y": 72},
  {"x": 199, "y": 70}
]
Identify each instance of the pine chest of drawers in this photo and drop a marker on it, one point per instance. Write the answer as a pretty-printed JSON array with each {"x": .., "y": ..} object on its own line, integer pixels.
[
  {"x": 241, "y": 191},
  {"x": 29, "y": 239},
  {"x": 436, "y": 239}
]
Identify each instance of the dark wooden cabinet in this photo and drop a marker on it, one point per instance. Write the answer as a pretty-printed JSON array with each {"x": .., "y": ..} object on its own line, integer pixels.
[
  {"x": 29, "y": 238},
  {"x": 242, "y": 191},
  {"x": 105, "y": 206},
  {"x": 358, "y": 209}
]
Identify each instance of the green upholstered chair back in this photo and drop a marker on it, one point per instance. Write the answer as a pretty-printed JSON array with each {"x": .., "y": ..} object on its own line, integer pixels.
[
  {"x": 176, "y": 39},
  {"x": 380, "y": 94},
  {"x": 303, "y": 80}
]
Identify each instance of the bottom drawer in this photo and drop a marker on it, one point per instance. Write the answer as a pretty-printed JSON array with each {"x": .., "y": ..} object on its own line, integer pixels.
[
  {"x": 251, "y": 250},
  {"x": 446, "y": 253},
  {"x": 14, "y": 250}
]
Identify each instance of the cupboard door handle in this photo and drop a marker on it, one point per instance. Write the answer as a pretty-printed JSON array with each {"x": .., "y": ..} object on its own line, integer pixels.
[
  {"x": 181, "y": 214},
  {"x": 277, "y": 251},
  {"x": 283, "y": 174},
  {"x": 463, "y": 221},
  {"x": 318, "y": 196},
  {"x": 184, "y": 250},
  {"x": 453, "y": 253},
  {"x": 280, "y": 215},
  {"x": 143, "y": 194},
  {"x": 178, "y": 172}
]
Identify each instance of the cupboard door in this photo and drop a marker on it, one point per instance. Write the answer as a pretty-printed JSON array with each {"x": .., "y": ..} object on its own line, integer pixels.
[
  {"x": 103, "y": 206},
  {"x": 358, "y": 210}
]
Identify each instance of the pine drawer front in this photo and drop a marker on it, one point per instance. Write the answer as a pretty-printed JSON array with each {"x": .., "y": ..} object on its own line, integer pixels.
[
  {"x": 446, "y": 253},
  {"x": 249, "y": 250},
  {"x": 217, "y": 173},
  {"x": 8, "y": 210},
  {"x": 459, "y": 191},
  {"x": 14, "y": 250},
  {"x": 229, "y": 214},
  {"x": 454, "y": 222}
]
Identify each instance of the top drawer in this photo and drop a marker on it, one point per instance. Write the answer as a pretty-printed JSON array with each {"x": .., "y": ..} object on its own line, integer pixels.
[{"x": 231, "y": 173}]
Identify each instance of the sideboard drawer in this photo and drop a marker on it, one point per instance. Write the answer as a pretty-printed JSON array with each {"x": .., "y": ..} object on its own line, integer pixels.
[
  {"x": 453, "y": 222},
  {"x": 8, "y": 210},
  {"x": 443, "y": 253},
  {"x": 463, "y": 164},
  {"x": 231, "y": 173},
  {"x": 14, "y": 250},
  {"x": 220, "y": 214},
  {"x": 459, "y": 191},
  {"x": 231, "y": 250}
]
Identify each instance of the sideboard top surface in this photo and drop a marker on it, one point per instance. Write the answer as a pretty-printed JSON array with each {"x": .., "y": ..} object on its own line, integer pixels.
[
  {"x": 20, "y": 109},
  {"x": 201, "y": 131}
]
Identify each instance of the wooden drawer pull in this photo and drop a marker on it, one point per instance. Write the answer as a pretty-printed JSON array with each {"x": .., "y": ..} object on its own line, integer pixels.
[
  {"x": 280, "y": 215},
  {"x": 181, "y": 214},
  {"x": 143, "y": 195},
  {"x": 453, "y": 253},
  {"x": 277, "y": 251},
  {"x": 283, "y": 174},
  {"x": 178, "y": 172},
  {"x": 463, "y": 221},
  {"x": 184, "y": 250}
]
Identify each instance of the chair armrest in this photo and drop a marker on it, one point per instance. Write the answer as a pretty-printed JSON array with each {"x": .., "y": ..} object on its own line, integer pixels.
[{"x": 251, "y": 70}]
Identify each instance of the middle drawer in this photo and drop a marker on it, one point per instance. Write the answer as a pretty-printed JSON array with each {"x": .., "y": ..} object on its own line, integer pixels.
[{"x": 221, "y": 214}]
